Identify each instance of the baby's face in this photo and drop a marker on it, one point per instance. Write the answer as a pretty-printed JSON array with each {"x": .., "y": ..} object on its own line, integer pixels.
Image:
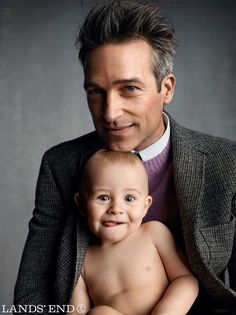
[{"x": 117, "y": 200}]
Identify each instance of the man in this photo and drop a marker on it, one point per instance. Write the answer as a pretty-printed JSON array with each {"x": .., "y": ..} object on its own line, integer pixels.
[{"x": 126, "y": 50}]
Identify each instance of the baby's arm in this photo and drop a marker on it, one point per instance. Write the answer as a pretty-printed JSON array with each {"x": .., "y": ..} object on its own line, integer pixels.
[
  {"x": 81, "y": 302},
  {"x": 80, "y": 298},
  {"x": 183, "y": 288}
]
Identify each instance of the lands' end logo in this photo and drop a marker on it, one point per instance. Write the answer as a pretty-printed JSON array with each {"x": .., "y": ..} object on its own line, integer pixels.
[{"x": 51, "y": 308}]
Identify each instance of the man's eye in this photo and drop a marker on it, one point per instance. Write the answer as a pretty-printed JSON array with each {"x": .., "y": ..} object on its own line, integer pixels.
[
  {"x": 94, "y": 92},
  {"x": 103, "y": 197},
  {"x": 131, "y": 88},
  {"x": 129, "y": 198},
  {"x": 130, "y": 91}
]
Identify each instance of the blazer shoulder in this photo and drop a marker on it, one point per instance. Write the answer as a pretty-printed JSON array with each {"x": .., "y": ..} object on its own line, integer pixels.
[
  {"x": 210, "y": 143},
  {"x": 200, "y": 141}
]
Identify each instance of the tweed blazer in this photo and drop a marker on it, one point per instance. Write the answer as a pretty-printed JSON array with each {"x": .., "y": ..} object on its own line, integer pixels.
[{"x": 205, "y": 180}]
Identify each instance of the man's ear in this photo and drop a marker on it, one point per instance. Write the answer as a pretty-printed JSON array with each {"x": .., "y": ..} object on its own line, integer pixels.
[
  {"x": 78, "y": 201},
  {"x": 168, "y": 87},
  {"x": 147, "y": 205}
]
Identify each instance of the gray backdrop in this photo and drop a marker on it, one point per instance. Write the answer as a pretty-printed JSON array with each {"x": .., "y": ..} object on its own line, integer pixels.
[{"x": 42, "y": 101}]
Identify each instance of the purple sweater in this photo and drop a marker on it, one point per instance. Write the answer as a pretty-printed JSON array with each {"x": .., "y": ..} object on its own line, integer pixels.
[{"x": 161, "y": 187}]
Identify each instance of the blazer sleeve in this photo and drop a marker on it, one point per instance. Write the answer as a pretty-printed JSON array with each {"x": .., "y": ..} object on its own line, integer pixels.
[
  {"x": 34, "y": 282},
  {"x": 232, "y": 262}
]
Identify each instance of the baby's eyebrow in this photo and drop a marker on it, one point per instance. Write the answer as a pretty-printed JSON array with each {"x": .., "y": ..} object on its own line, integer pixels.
[
  {"x": 101, "y": 190},
  {"x": 133, "y": 190}
]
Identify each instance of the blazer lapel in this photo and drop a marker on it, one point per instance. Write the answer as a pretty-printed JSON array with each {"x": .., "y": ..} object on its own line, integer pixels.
[
  {"x": 189, "y": 181},
  {"x": 73, "y": 246},
  {"x": 65, "y": 261}
]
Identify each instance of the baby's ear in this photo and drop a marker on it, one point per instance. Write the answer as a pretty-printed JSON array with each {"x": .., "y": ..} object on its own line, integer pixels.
[
  {"x": 79, "y": 203},
  {"x": 148, "y": 203},
  {"x": 77, "y": 199}
]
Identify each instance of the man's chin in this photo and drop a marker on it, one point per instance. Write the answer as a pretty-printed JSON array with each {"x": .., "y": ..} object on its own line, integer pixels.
[
  {"x": 120, "y": 146},
  {"x": 119, "y": 143}
]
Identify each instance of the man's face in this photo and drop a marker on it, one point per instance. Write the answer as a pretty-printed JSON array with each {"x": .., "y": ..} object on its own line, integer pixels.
[{"x": 122, "y": 94}]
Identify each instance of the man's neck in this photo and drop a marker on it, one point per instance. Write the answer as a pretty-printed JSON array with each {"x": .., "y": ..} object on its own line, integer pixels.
[{"x": 157, "y": 147}]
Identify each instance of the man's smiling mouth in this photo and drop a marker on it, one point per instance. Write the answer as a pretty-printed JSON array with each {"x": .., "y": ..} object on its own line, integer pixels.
[{"x": 119, "y": 130}]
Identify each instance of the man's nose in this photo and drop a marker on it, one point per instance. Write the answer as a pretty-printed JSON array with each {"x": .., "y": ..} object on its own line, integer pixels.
[{"x": 113, "y": 108}]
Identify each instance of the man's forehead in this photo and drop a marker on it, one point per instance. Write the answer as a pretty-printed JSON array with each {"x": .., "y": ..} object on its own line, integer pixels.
[
  {"x": 112, "y": 63},
  {"x": 118, "y": 54}
]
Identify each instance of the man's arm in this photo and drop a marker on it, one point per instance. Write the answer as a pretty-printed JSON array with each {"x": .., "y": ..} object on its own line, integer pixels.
[
  {"x": 183, "y": 288},
  {"x": 232, "y": 262},
  {"x": 34, "y": 279}
]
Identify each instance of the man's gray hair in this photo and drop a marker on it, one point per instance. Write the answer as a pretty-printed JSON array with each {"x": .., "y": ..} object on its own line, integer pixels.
[{"x": 126, "y": 20}]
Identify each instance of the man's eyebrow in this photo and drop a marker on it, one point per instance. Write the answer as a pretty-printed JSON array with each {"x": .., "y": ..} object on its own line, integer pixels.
[
  {"x": 90, "y": 84},
  {"x": 129, "y": 81},
  {"x": 116, "y": 82}
]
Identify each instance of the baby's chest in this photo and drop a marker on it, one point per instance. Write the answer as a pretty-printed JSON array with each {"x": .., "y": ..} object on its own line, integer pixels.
[{"x": 128, "y": 270}]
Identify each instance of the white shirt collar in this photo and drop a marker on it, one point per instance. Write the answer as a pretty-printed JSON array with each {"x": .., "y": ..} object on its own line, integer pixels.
[{"x": 157, "y": 147}]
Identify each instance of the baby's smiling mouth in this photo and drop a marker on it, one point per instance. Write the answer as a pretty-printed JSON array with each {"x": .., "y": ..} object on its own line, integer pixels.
[{"x": 112, "y": 223}]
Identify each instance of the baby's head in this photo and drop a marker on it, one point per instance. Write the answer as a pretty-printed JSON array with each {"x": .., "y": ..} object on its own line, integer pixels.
[{"x": 114, "y": 194}]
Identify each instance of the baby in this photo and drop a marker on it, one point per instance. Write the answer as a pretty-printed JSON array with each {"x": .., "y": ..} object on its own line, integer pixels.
[{"x": 130, "y": 268}]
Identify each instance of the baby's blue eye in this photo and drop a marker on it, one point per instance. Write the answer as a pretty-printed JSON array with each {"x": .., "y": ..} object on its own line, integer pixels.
[
  {"x": 129, "y": 198},
  {"x": 103, "y": 197}
]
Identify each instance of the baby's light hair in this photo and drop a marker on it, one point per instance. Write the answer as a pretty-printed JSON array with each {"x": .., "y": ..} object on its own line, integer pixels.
[{"x": 110, "y": 157}]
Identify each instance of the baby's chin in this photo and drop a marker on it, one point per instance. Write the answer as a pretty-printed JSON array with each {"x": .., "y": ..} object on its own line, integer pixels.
[{"x": 115, "y": 234}]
